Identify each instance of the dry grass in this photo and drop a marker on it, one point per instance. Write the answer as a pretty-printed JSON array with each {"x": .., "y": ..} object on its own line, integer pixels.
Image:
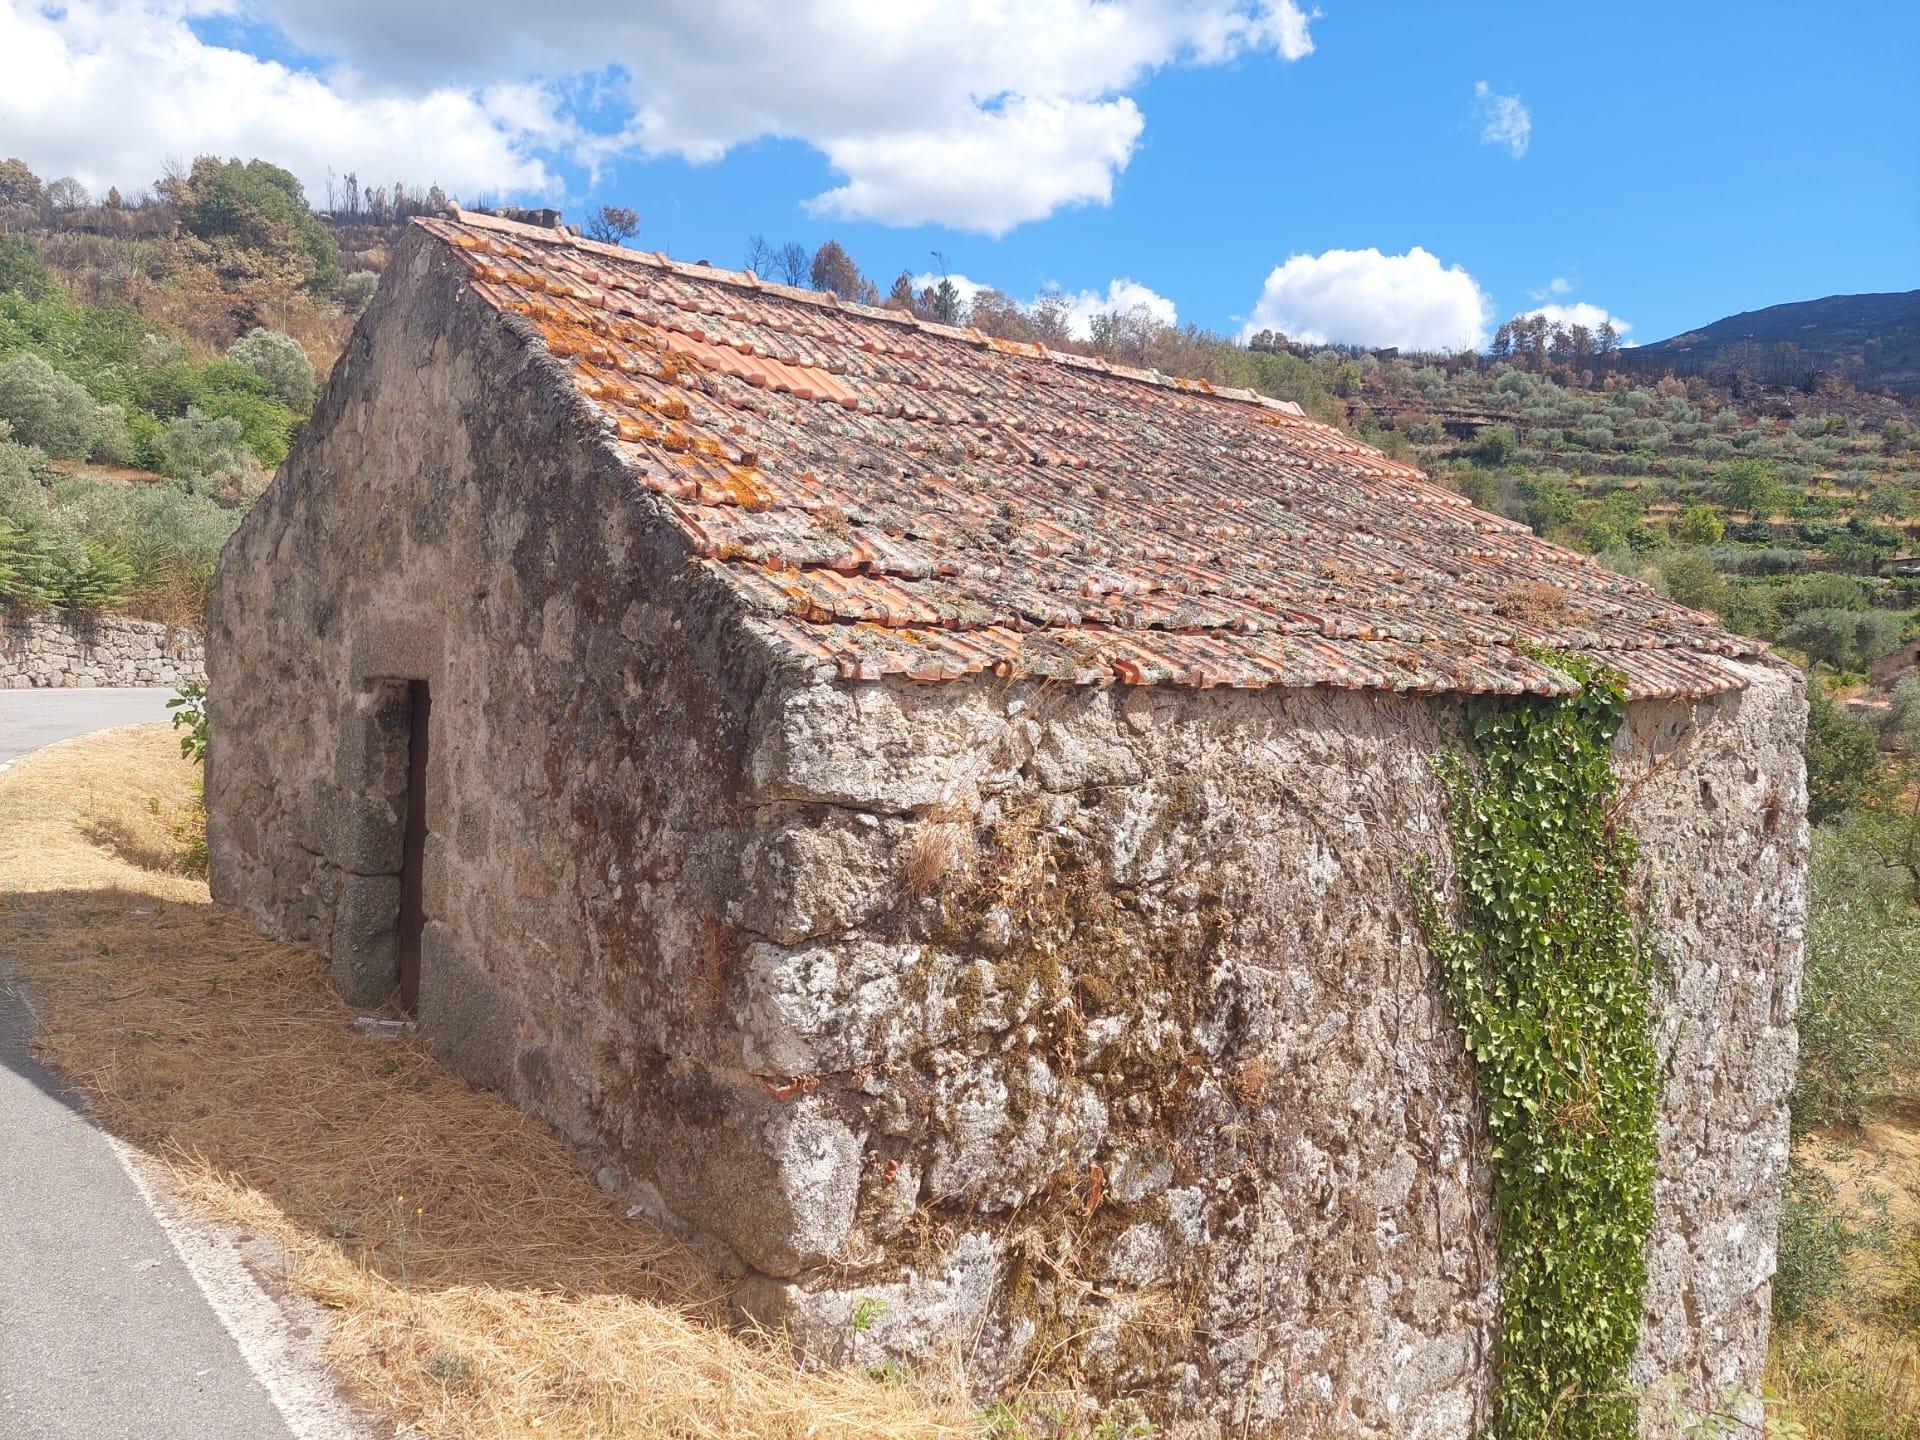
[
  {"x": 1852, "y": 1381},
  {"x": 482, "y": 1286},
  {"x": 942, "y": 848},
  {"x": 1854, "y": 1374},
  {"x": 1533, "y": 600}
]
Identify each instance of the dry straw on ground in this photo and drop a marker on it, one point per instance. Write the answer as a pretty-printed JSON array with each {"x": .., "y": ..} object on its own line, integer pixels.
[
  {"x": 482, "y": 1286},
  {"x": 1853, "y": 1373}
]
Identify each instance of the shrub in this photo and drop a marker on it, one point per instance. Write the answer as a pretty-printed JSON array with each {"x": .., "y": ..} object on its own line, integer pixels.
[
  {"x": 51, "y": 565},
  {"x": 189, "y": 707},
  {"x": 22, "y": 270},
  {"x": 277, "y": 359},
  {"x": 19, "y": 472},
  {"x": 114, "y": 444},
  {"x": 1692, "y": 581},
  {"x": 1860, "y": 999},
  {"x": 1496, "y": 445},
  {"x": 1548, "y": 498},
  {"x": 1823, "y": 591},
  {"x": 1860, "y": 544},
  {"x": 1819, "y": 1237},
  {"x": 197, "y": 448},
  {"x": 171, "y": 538},
  {"x": 88, "y": 578},
  {"x": 1771, "y": 560},
  {"x": 1878, "y": 634},
  {"x": 18, "y": 566},
  {"x": 1748, "y": 609},
  {"x": 1701, "y": 525},
  {"x": 357, "y": 289},
  {"x": 1842, "y": 758},
  {"x": 47, "y": 409}
]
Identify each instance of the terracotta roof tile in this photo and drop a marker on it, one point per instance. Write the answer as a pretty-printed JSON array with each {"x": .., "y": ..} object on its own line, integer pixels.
[{"x": 889, "y": 496}]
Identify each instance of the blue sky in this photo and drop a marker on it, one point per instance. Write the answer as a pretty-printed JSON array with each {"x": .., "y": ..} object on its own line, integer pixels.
[{"x": 1667, "y": 164}]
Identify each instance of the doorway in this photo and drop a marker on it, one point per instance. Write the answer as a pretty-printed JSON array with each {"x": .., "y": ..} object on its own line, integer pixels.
[{"x": 413, "y": 848}]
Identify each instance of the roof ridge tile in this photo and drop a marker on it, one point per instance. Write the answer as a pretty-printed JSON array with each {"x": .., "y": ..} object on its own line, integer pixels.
[{"x": 746, "y": 279}]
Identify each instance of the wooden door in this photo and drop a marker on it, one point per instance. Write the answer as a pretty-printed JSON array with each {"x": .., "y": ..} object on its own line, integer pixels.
[{"x": 413, "y": 853}]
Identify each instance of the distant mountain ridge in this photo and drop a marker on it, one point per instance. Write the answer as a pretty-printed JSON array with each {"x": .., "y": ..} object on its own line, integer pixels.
[{"x": 1871, "y": 340}]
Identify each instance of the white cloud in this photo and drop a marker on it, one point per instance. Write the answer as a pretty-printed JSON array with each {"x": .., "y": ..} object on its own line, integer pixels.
[
  {"x": 1070, "y": 151},
  {"x": 110, "y": 92},
  {"x": 981, "y": 114},
  {"x": 1082, "y": 306},
  {"x": 1581, "y": 313},
  {"x": 1503, "y": 119},
  {"x": 1558, "y": 285},
  {"x": 1122, "y": 295},
  {"x": 1362, "y": 297}
]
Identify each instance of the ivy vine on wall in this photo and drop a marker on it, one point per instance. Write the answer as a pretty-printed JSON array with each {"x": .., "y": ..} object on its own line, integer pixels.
[{"x": 1549, "y": 981}]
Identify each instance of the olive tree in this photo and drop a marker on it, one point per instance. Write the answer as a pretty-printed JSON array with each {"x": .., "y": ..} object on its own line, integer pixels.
[{"x": 277, "y": 359}]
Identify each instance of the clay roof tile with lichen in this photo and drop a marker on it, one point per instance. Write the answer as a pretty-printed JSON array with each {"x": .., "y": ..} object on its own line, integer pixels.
[{"x": 892, "y": 497}]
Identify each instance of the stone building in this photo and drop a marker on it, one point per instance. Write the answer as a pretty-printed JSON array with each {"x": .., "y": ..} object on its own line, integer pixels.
[{"x": 932, "y": 819}]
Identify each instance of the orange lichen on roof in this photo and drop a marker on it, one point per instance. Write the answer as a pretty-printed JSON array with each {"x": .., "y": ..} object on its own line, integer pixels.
[{"x": 894, "y": 497}]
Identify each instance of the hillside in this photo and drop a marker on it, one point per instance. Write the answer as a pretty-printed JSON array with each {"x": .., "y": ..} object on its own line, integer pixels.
[
  {"x": 1772, "y": 507},
  {"x": 1870, "y": 340},
  {"x": 158, "y": 356}
]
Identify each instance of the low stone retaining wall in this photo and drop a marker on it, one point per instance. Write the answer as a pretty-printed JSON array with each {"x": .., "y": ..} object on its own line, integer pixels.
[{"x": 67, "y": 651}]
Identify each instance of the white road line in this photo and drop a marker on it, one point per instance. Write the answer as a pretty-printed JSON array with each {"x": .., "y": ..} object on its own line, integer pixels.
[{"x": 288, "y": 1366}]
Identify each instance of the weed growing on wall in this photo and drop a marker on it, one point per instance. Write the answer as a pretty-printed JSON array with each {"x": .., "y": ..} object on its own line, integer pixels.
[{"x": 1548, "y": 981}]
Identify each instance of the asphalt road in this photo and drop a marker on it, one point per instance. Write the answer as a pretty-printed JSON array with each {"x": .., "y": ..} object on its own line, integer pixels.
[
  {"x": 104, "y": 1331},
  {"x": 32, "y": 718}
]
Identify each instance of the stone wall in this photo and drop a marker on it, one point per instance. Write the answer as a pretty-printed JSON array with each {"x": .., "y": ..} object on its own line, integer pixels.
[
  {"x": 42, "y": 649},
  {"x": 1088, "y": 1031},
  {"x": 1117, "y": 1044}
]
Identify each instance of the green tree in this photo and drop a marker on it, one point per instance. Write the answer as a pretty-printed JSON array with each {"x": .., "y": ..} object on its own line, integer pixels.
[
  {"x": 1829, "y": 636},
  {"x": 1549, "y": 500},
  {"x": 261, "y": 208},
  {"x": 1876, "y": 633},
  {"x": 946, "y": 302},
  {"x": 20, "y": 188},
  {"x": 1692, "y": 581},
  {"x": 1751, "y": 486},
  {"x": 1701, "y": 525},
  {"x": 1860, "y": 1003},
  {"x": 1843, "y": 759},
  {"x": 1860, "y": 543}
]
